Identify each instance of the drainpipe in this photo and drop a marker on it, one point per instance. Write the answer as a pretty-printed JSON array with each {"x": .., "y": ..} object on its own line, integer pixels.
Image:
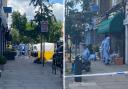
[{"x": 126, "y": 32}]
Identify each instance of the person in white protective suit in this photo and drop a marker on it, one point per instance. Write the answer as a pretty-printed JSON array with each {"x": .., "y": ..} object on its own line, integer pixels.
[
  {"x": 101, "y": 49},
  {"x": 86, "y": 54},
  {"x": 106, "y": 50}
]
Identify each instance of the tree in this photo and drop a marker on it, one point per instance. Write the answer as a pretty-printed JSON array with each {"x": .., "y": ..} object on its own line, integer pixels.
[
  {"x": 55, "y": 32},
  {"x": 16, "y": 19},
  {"x": 74, "y": 20},
  {"x": 15, "y": 35},
  {"x": 30, "y": 31},
  {"x": 25, "y": 30},
  {"x": 19, "y": 22},
  {"x": 44, "y": 13},
  {"x": 38, "y": 2}
]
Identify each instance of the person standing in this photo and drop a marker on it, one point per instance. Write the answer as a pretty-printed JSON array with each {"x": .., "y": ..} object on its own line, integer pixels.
[
  {"x": 101, "y": 50},
  {"x": 106, "y": 50}
]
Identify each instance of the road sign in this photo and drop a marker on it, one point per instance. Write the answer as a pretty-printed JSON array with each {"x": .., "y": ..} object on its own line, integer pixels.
[{"x": 44, "y": 26}]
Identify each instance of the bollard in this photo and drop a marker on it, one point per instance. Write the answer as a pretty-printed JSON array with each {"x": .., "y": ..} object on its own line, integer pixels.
[{"x": 78, "y": 68}]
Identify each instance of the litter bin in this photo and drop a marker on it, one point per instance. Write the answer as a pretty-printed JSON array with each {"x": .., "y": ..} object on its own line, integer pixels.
[{"x": 78, "y": 68}]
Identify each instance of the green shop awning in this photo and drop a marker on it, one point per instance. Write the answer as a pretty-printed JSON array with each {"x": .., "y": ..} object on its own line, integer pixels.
[{"x": 112, "y": 25}]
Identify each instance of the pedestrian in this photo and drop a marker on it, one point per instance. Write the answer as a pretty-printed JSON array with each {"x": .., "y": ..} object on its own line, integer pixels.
[
  {"x": 19, "y": 49},
  {"x": 92, "y": 57},
  {"x": 26, "y": 49},
  {"x": 86, "y": 53},
  {"x": 86, "y": 62},
  {"x": 106, "y": 50},
  {"x": 101, "y": 50}
]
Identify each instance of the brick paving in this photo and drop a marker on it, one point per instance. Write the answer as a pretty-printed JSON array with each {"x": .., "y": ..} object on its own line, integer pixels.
[{"x": 22, "y": 73}]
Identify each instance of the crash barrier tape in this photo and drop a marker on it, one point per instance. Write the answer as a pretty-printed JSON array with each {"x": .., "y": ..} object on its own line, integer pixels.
[{"x": 98, "y": 74}]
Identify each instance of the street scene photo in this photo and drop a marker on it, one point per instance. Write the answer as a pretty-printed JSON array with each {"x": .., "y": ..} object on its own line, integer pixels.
[
  {"x": 31, "y": 44},
  {"x": 96, "y": 44}
]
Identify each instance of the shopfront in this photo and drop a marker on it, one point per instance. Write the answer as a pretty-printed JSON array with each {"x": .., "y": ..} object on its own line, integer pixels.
[
  {"x": 126, "y": 33},
  {"x": 114, "y": 27}
]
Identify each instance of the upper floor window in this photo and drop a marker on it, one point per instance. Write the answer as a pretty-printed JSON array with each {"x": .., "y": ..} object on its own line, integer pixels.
[{"x": 115, "y": 2}]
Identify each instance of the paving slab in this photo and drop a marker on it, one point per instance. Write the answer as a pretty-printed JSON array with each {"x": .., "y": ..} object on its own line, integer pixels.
[
  {"x": 22, "y": 73},
  {"x": 102, "y": 82},
  {"x": 82, "y": 85}
]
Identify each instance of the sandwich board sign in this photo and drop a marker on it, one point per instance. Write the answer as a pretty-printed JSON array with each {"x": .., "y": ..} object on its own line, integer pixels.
[{"x": 44, "y": 26}]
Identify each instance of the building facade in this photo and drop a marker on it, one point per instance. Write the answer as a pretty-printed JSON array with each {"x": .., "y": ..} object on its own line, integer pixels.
[
  {"x": 115, "y": 8},
  {"x": 3, "y": 25},
  {"x": 126, "y": 33},
  {"x": 106, "y": 10}
]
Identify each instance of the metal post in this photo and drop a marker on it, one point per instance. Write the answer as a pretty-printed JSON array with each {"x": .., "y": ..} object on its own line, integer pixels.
[
  {"x": 41, "y": 38},
  {"x": 70, "y": 56},
  {"x": 41, "y": 47},
  {"x": 75, "y": 48},
  {"x": 43, "y": 51}
]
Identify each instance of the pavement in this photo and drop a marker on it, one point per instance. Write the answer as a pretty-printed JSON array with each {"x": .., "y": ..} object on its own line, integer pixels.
[
  {"x": 22, "y": 73},
  {"x": 98, "y": 67},
  {"x": 99, "y": 82}
]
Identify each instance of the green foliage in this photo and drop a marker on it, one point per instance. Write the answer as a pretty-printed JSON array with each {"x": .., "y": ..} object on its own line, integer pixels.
[
  {"x": 16, "y": 19},
  {"x": 38, "y": 2},
  {"x": 15, "y": 35},
  {"x": 72, "y": 24},
  {"x": 3, "y": 60},
  {"x": 55, "y": 31},
  {"x": 75, "y": 19},
  {"x": 29, "y": 26},
  {"x": 19, "y": 21},
  {"x": 86, "y": 5},
  {"x": 24, "y": 39},
  {"x": 44, "y": 13},
  {"x": 24, "y": 31}
]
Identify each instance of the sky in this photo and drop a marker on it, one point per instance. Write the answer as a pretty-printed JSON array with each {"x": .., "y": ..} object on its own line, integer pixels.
[
  {"x": 56, "y": 1},
  {"x": 23, "y": 7}
]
